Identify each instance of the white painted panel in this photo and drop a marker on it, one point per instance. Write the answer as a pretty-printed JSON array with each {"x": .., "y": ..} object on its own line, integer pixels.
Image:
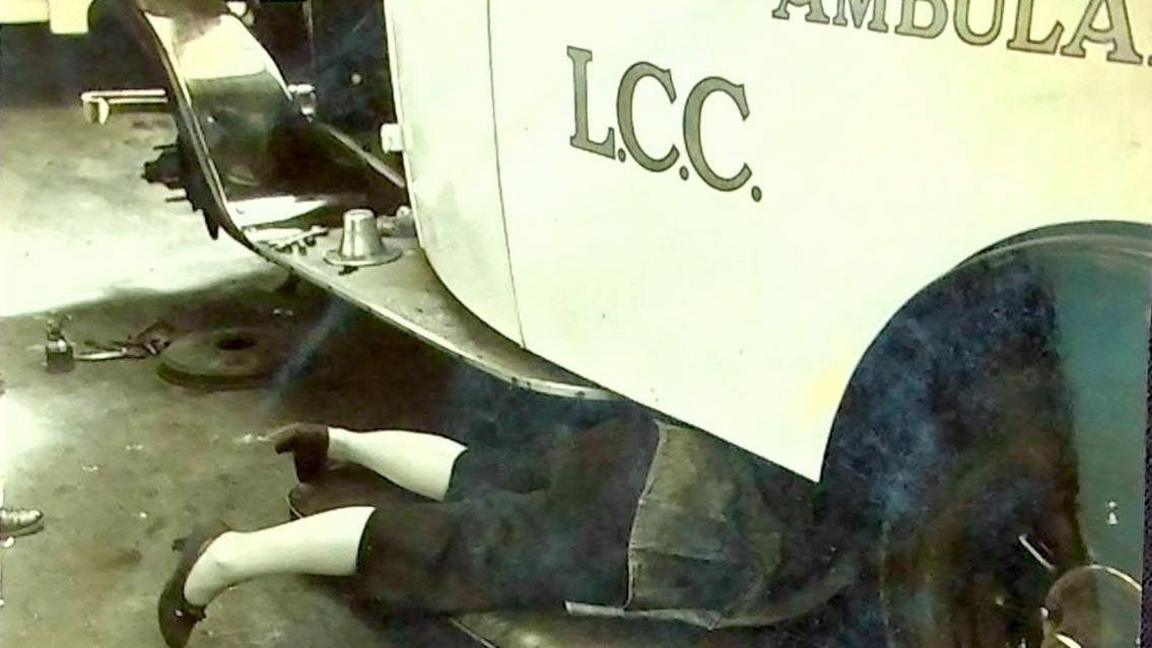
[
  {"x": 883, "y": 160},
  {"x": 439, "y": 54},
  {"x": 23, "y": 11},
  {"x": 68, "y": 16}
]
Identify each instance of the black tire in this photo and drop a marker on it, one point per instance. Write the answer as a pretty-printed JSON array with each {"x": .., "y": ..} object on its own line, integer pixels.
[
  {"x": 990, "y": 503},
  {"x": 1000, "y": 507}
]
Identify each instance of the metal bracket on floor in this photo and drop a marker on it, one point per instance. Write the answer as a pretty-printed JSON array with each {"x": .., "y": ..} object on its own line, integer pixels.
[{"x": 100, "y": 104}]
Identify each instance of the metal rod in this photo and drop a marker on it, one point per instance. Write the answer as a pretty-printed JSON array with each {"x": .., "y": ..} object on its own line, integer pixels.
[{"x": 99, "y": 104}]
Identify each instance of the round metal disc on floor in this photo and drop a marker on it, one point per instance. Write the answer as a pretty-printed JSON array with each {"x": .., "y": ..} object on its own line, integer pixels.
[{"x": 236, "y": 356}]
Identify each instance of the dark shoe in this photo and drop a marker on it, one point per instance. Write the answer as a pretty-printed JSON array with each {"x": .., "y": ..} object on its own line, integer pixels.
[
  {"x": 308, "y": 443},
  {"x": 176, "y": 615},
  {"x": 344, "y": 486},
  {"x": 15, "y": 522}
]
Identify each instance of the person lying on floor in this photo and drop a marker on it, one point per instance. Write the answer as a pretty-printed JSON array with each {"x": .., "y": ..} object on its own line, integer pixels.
[
  {"x": 638, "y": 516},
  {"x": 495, "y": 530}
]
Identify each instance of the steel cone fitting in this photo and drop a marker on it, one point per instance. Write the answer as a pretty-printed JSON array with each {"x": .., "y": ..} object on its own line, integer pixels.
[{"x": 361, "y": 244}]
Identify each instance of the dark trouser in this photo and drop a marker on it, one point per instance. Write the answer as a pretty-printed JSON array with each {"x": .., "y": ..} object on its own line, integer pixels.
[{"x": 515, "y": 531}]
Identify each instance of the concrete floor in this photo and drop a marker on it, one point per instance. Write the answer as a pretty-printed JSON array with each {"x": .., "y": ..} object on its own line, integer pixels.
[{"x": 122, "y": 462}]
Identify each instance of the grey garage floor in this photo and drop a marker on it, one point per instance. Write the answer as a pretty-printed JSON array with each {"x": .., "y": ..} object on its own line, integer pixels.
[{"x": 121, "y": 461}]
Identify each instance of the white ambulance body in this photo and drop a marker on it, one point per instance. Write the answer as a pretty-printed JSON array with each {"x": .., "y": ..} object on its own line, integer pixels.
[{"x": 714, "y": 213}]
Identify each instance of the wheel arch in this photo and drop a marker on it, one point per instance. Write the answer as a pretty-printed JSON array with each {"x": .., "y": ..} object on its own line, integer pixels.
[{"x": 1098, "y": 278}]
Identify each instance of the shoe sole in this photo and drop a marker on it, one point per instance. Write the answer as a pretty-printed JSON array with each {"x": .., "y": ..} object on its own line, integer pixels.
[
  {"x": 35, "y": 527},
  {"x": 293, "y": 512}
]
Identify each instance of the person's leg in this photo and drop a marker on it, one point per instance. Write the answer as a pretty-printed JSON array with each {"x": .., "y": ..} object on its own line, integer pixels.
[
  {"x": 438, "y": 467},
  {"x": 591, "y": 505},
  {"x": 515, "y": 470},
  {"x": 501, "y": 549},
  {"x": 433, "y": 556},
  {"x": 326, "y": 544},
  {"x": 429, "y": 465},
  {"x": 417, "y": 461}
]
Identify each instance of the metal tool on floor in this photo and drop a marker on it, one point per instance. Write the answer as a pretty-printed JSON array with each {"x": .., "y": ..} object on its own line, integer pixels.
[
  {"x": 123, "y": 352},
  {"x": 58, "y": 352},
  {"x": 100, "y": 104},
  {"x": 137, "y": 347}
]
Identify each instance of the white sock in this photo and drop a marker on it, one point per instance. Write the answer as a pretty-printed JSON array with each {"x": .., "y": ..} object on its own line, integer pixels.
[
  {"x": 417, "y": 461},
  {"x": 325, "y": 544}
]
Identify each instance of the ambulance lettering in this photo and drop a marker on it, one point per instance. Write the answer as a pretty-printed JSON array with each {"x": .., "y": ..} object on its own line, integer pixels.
[{"x": 603, "y": 142}]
